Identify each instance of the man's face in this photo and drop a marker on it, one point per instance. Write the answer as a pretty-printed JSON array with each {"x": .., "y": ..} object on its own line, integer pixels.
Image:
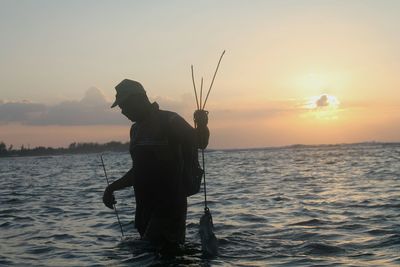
[{"x": 133, "y": 108}]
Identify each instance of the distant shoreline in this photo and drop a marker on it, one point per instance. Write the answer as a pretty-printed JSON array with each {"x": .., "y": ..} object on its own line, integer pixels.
[
  {"x": 74, "y": 148},
  {"x": 372, "y": 143},
  {"x": 114, "y": 146}
]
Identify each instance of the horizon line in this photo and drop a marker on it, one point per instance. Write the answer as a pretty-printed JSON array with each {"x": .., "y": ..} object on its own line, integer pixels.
[{"x": 223, "y": 149}]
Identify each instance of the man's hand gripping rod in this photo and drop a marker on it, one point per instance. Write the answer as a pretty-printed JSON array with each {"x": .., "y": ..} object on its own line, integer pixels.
[{"x": 115, "y": 208}]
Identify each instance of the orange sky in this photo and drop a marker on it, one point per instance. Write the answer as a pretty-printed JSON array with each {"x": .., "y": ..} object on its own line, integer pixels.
[{"x": 294, "y": 72}]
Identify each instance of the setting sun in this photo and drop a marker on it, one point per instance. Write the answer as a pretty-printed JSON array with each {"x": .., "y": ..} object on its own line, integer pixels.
[
  {"x": 323, "y": 107},
  {"x": 324, "y": 102}
]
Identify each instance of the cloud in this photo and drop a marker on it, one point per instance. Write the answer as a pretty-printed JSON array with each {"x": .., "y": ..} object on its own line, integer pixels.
[
  {"x": 323, "y": 101},
  {"x": 92, "y": 109},
  {"x": 93, "y": 97},
  {"x": 20, "y": 111}
]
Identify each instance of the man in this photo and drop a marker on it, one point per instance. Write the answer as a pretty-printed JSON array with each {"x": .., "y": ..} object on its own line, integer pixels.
[{"x": 162, "y": 147}]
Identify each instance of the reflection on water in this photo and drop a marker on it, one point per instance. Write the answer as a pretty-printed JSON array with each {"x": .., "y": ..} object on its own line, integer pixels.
[{"x": 328, "y": 205}]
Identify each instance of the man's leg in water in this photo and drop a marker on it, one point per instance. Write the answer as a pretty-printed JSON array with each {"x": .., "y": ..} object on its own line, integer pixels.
[{"x": 167, "y": 233}]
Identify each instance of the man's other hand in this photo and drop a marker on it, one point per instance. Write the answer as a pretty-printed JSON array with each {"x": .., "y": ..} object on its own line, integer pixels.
[{"x": 108, "y": 198}]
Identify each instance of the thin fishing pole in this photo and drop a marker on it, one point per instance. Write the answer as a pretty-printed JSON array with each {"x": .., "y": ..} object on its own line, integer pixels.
[
  {"x": 201, "y": 91},
  {"x": 212, "y": 82},
  {"x": 115, "y": 208},
  {"x": 194, "y": 87},
  {"x": 205, "y": 187}
]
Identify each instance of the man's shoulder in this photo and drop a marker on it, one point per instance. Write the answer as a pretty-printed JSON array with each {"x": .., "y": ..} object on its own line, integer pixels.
[
  {"x": 169, "y": 116},
  {"x": 173, "y": 119},
  {"x": 167, "y": 113}
]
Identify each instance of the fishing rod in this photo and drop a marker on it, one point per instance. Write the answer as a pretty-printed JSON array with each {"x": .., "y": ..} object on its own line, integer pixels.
[
  {"x": 201, "y": 106},
  {"x": 209, "y": 241},
  {"x": 108, "y": 183},
  {"x": 201, "y": 120},
  {"x": 212, "y": 82}
]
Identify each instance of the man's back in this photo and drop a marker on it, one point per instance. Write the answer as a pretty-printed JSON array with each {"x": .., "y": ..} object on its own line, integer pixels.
[{"x": 157, "y": 153}]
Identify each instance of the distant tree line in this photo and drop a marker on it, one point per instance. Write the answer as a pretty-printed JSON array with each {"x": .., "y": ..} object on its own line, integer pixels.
[{"x": 72, "y": 148}]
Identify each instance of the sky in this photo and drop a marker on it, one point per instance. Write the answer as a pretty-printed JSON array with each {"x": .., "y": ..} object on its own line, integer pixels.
[{"x": 294, "y": 72}]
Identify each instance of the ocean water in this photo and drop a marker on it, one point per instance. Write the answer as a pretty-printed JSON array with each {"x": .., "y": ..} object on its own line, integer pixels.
[{"x": 299, "y": 206}]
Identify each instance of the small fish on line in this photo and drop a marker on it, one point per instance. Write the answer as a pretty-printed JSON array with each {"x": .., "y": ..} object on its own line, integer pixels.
[{"x": 209, "y": 242}]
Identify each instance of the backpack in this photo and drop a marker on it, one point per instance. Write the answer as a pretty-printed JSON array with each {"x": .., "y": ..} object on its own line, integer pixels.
[{"x": 191, "y": 170}]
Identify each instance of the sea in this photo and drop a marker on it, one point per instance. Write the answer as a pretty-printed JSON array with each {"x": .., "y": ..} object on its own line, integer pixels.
[{"x": 328, "y": 205}]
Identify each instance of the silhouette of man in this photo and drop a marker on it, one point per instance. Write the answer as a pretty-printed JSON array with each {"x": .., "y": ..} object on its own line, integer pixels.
[{"x": 160, "y": 143}]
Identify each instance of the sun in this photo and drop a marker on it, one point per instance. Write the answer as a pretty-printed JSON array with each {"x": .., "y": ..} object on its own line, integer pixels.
[
  {"x": 325, "y": 107},
  {"x": 323, "y": 101}
]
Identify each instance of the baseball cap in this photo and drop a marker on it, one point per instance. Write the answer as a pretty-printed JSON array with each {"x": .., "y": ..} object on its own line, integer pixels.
[{"x": 125, "y": 89}]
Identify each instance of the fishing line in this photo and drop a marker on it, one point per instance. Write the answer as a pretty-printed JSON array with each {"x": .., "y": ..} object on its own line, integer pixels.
[
  {"x": 115, "y": 208},
  {"x": 205, "y": 187}
]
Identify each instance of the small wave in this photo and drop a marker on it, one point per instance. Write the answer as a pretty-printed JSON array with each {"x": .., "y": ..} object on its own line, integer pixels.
[
  {"x": 280, "y": 199},
  {"x": 252, "y": 217},
  {"x": 303, "y": 236},
  {"x": 5, "y": 262},
  {"x": 23, "y": 219},
  {"x": 396, "y": 261},
  {"x": 61, "y": 236},
  {"x": 322, "y": 249},
  {"x": 44, "y": 157},
  {"x": 5, "y": 224},
  {"x": 352, "y": 226},
  {"x": 391, "y": 240},
  {"x": 379, "y": 232},
  {"x": 53, "y": 210},
  {"x": 312, "y": 222},
  {"x": 330, "y": 162},
  {"x": 248, "y": 233},
  {"x": 361, "y": 255},
  {"x": 367, "y": 204},
  {"x": 192, "y": 225},
  {"x": 40, "y": 250},
  {"x": 8, "y": 211},
  {"x": 13, "y": 201}
]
